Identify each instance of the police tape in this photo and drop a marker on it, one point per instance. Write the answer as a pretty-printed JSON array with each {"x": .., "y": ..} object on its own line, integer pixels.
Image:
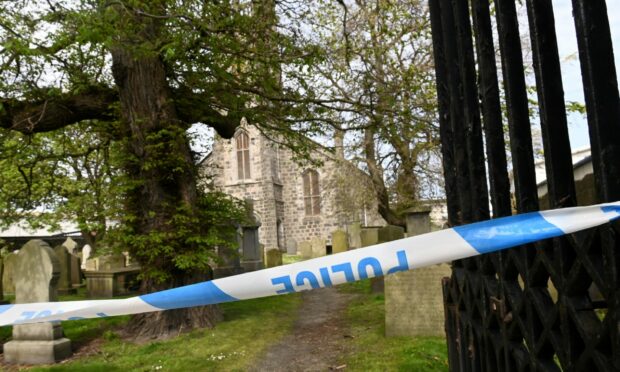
[{"x": 386, "y": 258}]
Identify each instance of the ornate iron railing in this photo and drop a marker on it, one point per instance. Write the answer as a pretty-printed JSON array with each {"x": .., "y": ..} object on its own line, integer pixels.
[{"x": 554, "y": 305}]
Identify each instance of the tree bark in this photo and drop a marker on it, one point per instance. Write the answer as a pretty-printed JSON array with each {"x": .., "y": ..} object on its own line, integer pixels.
[{"x": 161, "y": 165}]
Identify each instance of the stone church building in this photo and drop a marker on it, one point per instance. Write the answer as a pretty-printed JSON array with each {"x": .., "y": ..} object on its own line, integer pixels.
[{"x": 293, "y": 202}]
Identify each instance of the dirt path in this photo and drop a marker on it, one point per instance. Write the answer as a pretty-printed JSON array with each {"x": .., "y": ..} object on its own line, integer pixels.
[{"x": 318, "y": 337}]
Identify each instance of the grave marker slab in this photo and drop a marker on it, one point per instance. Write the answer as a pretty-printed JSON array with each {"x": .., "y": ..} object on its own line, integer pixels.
[
  {"x": 65, "y": 285},
  {"x": 355, "y": 239},
  {"x": 36, "y": 275},
  {"x": 340, "y": 241},
  {"x": 304, "y": 249},
  {"x": 318, "y": 247},
  {"x": 414, "y": 299}
]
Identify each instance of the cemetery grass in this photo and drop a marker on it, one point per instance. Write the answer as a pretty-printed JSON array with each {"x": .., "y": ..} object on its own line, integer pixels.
[
  {"x": 249, "y": 327},
  {"x": 370, "y": 350}
]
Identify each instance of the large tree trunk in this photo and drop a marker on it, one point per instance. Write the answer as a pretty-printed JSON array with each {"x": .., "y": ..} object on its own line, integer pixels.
[{"x": 160, "y": 162}]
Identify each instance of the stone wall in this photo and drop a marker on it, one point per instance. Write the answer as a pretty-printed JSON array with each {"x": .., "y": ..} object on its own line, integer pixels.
[{"x": 276, "y": 187}]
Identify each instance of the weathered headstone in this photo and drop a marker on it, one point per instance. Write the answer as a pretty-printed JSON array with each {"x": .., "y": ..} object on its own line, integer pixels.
[
  {"x": 383, "y": 235},
  {"x": 36, "y": 275},
  {"x": 92, "y": 264},
  {"x": 273, "y": 257},
  {"x": 318, "y": 247},
  {"x": 64, "y": 280},
  {"x": 355, "y": 240},
  {"x": 389, "y": 233},
  {"x": 70, "y": 244},
  {"x": 304, "y": 249},
  {"x": 413, "y": 299},
  {"x": 76, "y": 271},
  {"x": 250, "y": 248},
  {"x": 3, "y": 254},
  {"x": 86, "y": 253},
  {"x": 251, "y": 258},
  {"x": 8, "y": 284},
  {"x": 291, "y": 247},
  {"x": 111, "y": 261},
  {"x": 112, "y": 282},
  {"x": 369, "y": 236},
  {"x": 340, "y": 241},
  {"x": 418, "y": 220}
]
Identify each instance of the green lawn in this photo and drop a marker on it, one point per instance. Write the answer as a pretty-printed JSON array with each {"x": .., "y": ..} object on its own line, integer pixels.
[
  {"x": 248, "y": 328},
  {"x": 372, "y": 351}
]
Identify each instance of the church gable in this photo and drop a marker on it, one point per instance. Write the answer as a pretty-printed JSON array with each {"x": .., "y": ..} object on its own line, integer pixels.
[{"x": 291, "y": 201}]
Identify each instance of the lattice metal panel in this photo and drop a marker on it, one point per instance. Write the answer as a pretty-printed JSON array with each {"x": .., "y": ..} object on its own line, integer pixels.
[{"x": 553, "y": 305}]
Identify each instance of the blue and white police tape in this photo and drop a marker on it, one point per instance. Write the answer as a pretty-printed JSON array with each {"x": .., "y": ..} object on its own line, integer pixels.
[{"x": 387, "y": 258}]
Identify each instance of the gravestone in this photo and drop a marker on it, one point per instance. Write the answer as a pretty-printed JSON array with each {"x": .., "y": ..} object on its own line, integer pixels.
[
  {"x": 251, "y": 258},
  {"x": 113, "y": 282},
  {"x": 64, "y": 280},
  {"x": 418, "y": 220},
  {"x": 414, "y": 299},
  {"x": 273, "y": 257},
  {"x": 3, "y": 254},
  {"x": 71, "y": 245},
  {"x": 383, "y": 235},
  {"x": 8, "y": 284},
  {"x": 250, "y": 248},
  {"x": 76, "y": 271},
  {"x": 390, "y": 233},
  {"x": 92, "y": 264},
  {"x": 304, "y": 249},
  {"x": 86, "y": 253},
  {"x": 318, "y": 247},
  {"x": 369, "y": 236},
  {"x": 111, "y": 261},
  {"x": 340, "y": 241},
  {"x": 355, "y": 240},
  {"x": 36, "y": 275},
  {"x": 291, "y": 247}
]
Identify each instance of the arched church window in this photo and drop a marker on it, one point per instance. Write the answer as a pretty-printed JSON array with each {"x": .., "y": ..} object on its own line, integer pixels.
[
  {"x": 242, "y": 142},
  {"x": 312, "y": 195}
]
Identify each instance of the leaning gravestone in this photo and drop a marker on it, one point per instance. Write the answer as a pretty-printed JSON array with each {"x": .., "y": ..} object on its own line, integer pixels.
[
  {"x": 36, "y": 275},
  {"x": 340, "y": 241},
  {"x": 413, "y": 299},
  {"x": 65, "y": 285}
]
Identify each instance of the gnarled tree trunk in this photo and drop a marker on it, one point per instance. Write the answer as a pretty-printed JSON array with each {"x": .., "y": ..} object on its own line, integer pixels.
[{"x": 160, "y": 162}]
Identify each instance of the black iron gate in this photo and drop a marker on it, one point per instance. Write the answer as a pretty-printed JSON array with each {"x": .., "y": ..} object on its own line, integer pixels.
[{"x": 553, "y": 305}]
